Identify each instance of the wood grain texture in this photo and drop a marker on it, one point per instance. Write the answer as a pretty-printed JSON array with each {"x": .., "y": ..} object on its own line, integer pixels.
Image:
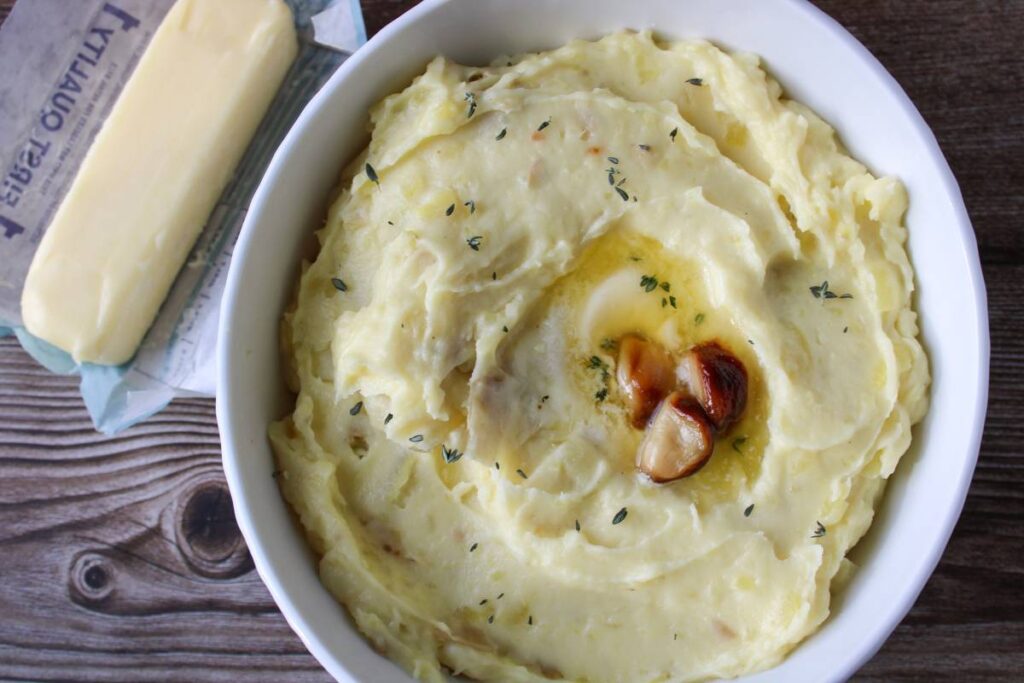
[{"x": 121, "y": 560}]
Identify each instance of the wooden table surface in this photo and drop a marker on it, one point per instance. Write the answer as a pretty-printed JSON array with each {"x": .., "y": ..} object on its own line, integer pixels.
[{"x": 120, "y": 558}]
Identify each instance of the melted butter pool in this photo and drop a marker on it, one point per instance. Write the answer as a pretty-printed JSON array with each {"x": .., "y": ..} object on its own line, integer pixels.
[{"x": 628, "y": 283}]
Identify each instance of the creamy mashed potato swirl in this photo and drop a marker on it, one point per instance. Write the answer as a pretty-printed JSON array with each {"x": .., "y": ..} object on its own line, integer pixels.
[{"x": 460, "y": 455}]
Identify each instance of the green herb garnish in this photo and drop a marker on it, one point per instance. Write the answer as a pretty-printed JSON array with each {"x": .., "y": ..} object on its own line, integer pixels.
[
  {"x": 620, "y": 516},
  {"x": 544, "y": 125},
  {"x": 501, "y": 135},
  {"x": 474, "y": 242},
  {"x": 522, "y": 474},
  {"x": 595, "y": 363},
  {"x": 450, "y": 210},
  {"x": 673, "y": 134},
  {"x": 750, "y": 508},
  {"x": 473, "y": 547},
  {"x": 698, "y": 319},
  {"x": 450, "y": 455},
  {"x": 416, "y": 438},
  {"x": 471, "y": 98},
  {"x": 672, "y": 300},
  {"x": 646, "y": 148},
  {"x": 388, "y": 418},
  {"x": 823, "y": 292},
  {"x": 601, "y": 394},
  {"x": 339, "y": 284},
  {"x": 695, "y": 81},
  {"x": 819, "y": 531},
  {"x": 577, "y": 525},
  {"x": 622, "y": 193},
  {"x": 472, "y": 206},
  {"x": 372, "y": 174},
  {"x": 649, "y": 283},
  {"x": 530, "y": 620},
  {"x": 356, "y": 408},
  {"x": 737, "y": 443}
]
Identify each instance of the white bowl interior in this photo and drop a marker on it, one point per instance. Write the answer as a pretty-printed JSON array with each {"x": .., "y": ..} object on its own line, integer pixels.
[{"x": 819, "y": 64}]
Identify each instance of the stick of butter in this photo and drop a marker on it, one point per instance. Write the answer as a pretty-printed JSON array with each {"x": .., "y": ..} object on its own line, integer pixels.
[{"x": 154, "y": 173}]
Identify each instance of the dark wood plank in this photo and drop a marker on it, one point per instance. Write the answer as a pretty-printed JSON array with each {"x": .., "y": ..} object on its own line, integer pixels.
[{"x": 121, "y": 559}]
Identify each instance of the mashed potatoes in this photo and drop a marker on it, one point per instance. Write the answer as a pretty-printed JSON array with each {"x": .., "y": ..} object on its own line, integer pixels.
[{"x": 460, "y": 455}]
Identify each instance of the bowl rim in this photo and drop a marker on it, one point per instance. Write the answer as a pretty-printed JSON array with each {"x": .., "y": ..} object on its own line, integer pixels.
[{"x": 870, "y": 643}]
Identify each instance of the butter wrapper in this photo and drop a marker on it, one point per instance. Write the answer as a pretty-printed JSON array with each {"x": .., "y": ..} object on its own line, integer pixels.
[{"x": 65, "y": 64}]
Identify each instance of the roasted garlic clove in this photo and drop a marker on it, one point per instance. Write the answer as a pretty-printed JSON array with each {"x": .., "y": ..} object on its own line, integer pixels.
[
  {"x": 718, "y": 380},
  {"x": 646, "y": 374},
  {"x": 678, "y": 441}
]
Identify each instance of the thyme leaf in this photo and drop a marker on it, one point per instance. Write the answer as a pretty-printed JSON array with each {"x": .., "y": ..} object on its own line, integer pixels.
[
  {"x": 620, "y": 516},
  {"x": 339, "y": 284},
  {"x": 819, "y": 531},
  {"x": 450, "y": 455},
  {"x": 356, "y": 408},
  {"x": 372, "y": 174},
  {"x": 474, "y": 242},
  {"x": 649, "y": 283}
]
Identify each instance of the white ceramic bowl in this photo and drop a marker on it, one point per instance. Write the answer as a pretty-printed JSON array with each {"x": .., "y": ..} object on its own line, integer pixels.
[{"x": 819, "y": 64}]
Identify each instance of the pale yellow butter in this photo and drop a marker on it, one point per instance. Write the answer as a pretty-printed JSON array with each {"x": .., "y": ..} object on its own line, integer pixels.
[{"x": 154, "y": 173}]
